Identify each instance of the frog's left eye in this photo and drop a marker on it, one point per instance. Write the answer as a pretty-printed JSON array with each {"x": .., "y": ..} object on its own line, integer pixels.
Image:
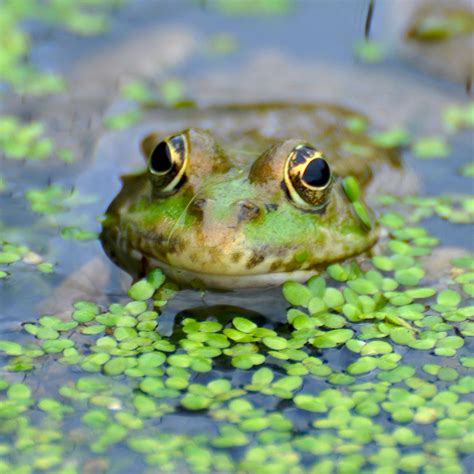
[
  {"x": 308, "y": 177},
  {"x": 167, "y": 164}
]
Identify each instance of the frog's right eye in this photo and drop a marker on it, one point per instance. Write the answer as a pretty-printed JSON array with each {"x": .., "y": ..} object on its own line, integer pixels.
[
  {"x": 167, "y": 164},
  {"x": 308, "y": 178}
]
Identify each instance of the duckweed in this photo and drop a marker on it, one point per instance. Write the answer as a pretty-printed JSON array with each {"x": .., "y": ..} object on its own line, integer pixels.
[
  {"x": 351, "y": 188},
  {"x": 139, "y": 91},
  {"x": 222, "y": 44},
  {"x": 55, "y": 199},
  {"x": 23, "y": 141},
  {"x": 455, "y": 208},
  {"x": 391, "y": 138},
  {"x": 362, "y": 214},
  {"x": 431, "y": 147},
  {"x": 141, "y": 290},
  {"x": 458, "y": 116},
  {"x": 253, "y": 7},
  {"x": 13, "y": 256},
  {"x": 77, "y": 233},
  {"x": 465, "y": 170},
  {"x": 448, "y": 297},
  {"x": 369, "y": 51},
  {"x": 121, "y": 120},
  {"x": 164, "y": 375}
]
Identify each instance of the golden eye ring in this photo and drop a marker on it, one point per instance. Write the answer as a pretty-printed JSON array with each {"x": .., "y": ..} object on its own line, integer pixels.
[
  {"x": 167, "y": 164},
  {"x": 308, "y": 178}
]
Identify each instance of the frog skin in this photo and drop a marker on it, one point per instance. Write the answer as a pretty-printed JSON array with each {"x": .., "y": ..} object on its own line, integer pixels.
[{"x": 245, "y": 195}]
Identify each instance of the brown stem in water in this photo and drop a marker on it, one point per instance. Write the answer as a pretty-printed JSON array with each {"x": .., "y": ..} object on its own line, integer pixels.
[{"x": 368, "y": 19}]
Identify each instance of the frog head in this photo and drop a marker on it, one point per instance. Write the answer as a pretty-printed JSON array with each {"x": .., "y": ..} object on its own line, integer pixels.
[{"x": 227, "y": 219}]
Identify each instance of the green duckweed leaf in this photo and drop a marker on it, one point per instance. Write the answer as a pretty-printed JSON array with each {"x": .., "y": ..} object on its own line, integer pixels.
[
  {"x": 362, "y": 365},
  {"x": 244, "y": 325},
  {"x": 141, "y": 290},
  {"x": 448, "y": 297},
  {"x": 332, "y": 338},
  {"x": 76, "y": 233},
  {"x": 431, "y": 147},
  {"x": 11, "y": 348},
  {"x": 375, "y": 348},
  {"x": 351, "y": 188},
  {"x": 19, "y": 392},
  {"x": 275, "y": 342},
  {"x": 363, "y": 214},
  {"x": 296, "y": 293},
  {"x": 369, "y": 51},
  {"x": 195, "y": 402}
]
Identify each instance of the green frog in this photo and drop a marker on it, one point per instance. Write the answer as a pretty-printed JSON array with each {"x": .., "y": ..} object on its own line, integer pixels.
[{"x": 241, "y": 196}]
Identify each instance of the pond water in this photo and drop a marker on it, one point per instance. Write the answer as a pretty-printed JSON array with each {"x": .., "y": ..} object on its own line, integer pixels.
[{"x": 367, "y": 368}]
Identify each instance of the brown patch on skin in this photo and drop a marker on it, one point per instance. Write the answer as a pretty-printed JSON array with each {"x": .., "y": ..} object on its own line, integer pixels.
[
  {"x": 220, "y": 162},
  {"x": 154, "y": 243},
  {"x": 148, "y": 144},
  {"x": 196, "y": 208},
  {"x": 255, "y": 260},
  {"x": 132, "y": 185},
  {"x": 322, "y": 236},
  {"x": 269, "y": 166},
  {"x": 292, "y": 266},
  {"x": 193, "y": 256},
  {"x": 206, "y": 156},
  {"x": 276, "y": 265},
  {"x": 236, "y": 256},
  {"x": 264, "y": 168},
  {"x": 279, "y": 254}
]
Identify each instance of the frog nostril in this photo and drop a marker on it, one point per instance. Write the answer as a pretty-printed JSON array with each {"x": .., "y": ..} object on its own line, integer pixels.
[
  {"x": 248, "y": 210},
  {"x": 197, "y": 206}
]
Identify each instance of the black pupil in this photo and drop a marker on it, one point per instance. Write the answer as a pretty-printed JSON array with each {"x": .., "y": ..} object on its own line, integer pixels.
[
  {"x": 317, "y": 173},
  {"x": 160, "y": 160}
]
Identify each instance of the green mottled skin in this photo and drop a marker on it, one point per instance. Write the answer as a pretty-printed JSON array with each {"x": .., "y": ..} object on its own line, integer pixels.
[{"x": 217, "y": 243}]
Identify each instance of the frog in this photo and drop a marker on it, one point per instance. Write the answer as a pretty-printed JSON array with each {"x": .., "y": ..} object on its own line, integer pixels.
[{"x": 247, "y": 195}]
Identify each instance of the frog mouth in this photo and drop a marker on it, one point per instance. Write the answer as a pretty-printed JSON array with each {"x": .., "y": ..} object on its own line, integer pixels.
[
  {"x": 138, "y": 262},
  {"x": 229, "y": 282}
]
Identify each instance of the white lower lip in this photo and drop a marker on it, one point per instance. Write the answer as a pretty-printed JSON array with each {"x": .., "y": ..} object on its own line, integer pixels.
[{"x": 230, "y": 282}]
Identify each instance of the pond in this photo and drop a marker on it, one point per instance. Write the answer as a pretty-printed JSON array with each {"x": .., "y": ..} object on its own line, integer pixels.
[{"x": 364, "y": 367}]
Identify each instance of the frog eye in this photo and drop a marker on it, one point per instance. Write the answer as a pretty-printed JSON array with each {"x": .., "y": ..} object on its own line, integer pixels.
[
  {"x": 167, "y": 164},
  {"x": 308, "y": 177}
]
